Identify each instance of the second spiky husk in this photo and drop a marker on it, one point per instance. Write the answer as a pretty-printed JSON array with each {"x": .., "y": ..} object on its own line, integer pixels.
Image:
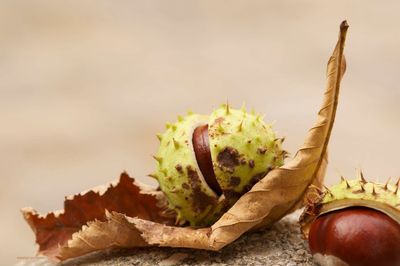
[{"x": 359, "y": 192}]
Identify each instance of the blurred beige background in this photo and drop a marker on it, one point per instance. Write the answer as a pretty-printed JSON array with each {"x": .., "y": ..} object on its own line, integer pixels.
[{"x": 86, "y": 85}]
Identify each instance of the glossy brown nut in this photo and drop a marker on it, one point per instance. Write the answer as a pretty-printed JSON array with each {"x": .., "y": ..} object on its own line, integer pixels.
[
  {"x": 201, "y": 148},
  {"x": 358, "y": 236}
]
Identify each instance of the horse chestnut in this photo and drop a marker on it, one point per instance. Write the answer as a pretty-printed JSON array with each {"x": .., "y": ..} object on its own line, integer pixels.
[
  {"x": 355, "y": 223},
  {"x": 355, "y": 236},
  {"x": 205, "y": 163}
]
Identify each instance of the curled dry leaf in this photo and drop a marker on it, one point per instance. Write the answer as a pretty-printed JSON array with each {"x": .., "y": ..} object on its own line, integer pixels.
[
  {"x": 127, "y": 197},
  {"x": 136, "y": 218}
]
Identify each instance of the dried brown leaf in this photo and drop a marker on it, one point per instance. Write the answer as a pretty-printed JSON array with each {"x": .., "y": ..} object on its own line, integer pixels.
[
  {"x": 127, "y": 232},
  {"x": 127, "y": 197},
  {"x": 277, "y": 194}
]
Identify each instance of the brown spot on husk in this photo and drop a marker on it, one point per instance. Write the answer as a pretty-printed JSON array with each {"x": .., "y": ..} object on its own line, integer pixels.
[
  {"x": 200, "y": 199},
  {"x": 251, "y": 163},
  {"x": 228, "y": 158},
  {"x": 231, "y": 194},
  {"x": 178, "y": 168},
  {"x": 234, "y": 181}
]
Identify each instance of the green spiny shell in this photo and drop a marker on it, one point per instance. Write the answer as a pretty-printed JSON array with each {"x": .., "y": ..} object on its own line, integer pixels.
[
  {"x": 351, "y": 193},
  {"x": 178, "y": 173},
  {"x": 243, "y": 149}
]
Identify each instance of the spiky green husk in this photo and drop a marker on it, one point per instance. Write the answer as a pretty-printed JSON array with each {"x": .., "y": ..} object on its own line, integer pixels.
[
  {"x": 255, "y": 151},
  {"x": 178, "y": 173},
  {"x": 243, "y": 148},
  {"x": 351, "y": 193}
]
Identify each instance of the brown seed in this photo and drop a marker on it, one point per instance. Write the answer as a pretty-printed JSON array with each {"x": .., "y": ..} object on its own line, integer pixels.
[
  {"x": 357, "y": 236},
  {"x": 201, "y": 147}
]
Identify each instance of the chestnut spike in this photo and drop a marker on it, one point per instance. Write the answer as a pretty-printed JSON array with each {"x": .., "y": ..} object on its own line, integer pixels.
[
  {"x": 240, "y": 126},
  {"x": 168, "y": 125},
  {"x": 153, "y": 176},
  {"x": 159, "y": 136},
  {"x": 180, "y": 118},
  {"x": 362, "y": 179},
  {"x": 176, "y": 144},
  {"x": 227, "y": 108},
  {"x": 387, "y": 183},
  {"x": 345, "y": 180},
  {"x": 397, "y": 186},
  {"x": 362, "y": 186},
  {"x": 173, "y": 127},
  {"x": 189, "y": 112},
  {"x": 281, "y": 140},
  {"x": 373, "y": 190},
  {"x": 158, "y": 159}
]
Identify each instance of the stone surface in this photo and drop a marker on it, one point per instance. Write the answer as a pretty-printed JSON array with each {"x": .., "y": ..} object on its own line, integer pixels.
[{"x": 281, "y": 245}]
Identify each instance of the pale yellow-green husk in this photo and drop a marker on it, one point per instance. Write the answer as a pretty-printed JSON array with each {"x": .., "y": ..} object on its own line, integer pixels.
[{"x": 257, "y": 148}]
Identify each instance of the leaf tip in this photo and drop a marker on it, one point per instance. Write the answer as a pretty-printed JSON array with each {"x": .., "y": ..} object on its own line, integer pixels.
[{"x": 344, "y": 25}]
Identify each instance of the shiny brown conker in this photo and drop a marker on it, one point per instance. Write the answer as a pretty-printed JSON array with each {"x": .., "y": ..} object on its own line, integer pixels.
[
  {"x": 355, "y": 236},
  {"x": 201, "y": 148}
]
